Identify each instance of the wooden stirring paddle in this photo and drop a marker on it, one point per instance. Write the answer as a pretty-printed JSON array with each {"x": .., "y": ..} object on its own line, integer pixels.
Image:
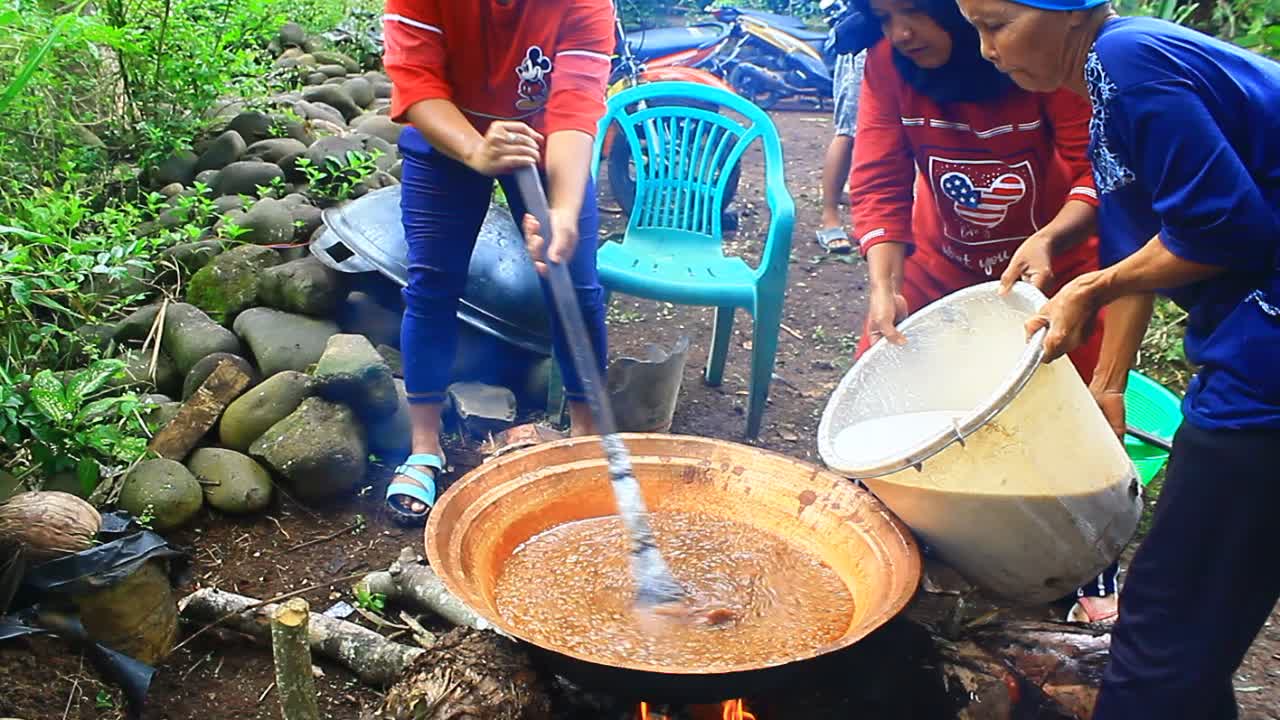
[{"x": 654, "y": 582}]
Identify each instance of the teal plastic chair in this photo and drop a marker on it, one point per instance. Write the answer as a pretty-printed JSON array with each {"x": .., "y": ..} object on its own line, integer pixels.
[{"x": 673, "y": 247}]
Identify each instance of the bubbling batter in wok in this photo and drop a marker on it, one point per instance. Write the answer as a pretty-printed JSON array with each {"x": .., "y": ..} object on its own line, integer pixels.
[{"x": 754, "y": 598}]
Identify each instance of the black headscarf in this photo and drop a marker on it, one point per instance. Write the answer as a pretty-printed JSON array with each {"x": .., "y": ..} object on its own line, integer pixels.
[{"x": 967, "y": 76}]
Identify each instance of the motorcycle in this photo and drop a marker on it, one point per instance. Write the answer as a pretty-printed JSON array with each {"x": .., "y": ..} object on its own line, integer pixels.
[
  {"x": 659, "y": 55},
  {"x": 852, "y": 30},
  {"x": 688, "y": 45},
  {"x": 769, "y": 59}
]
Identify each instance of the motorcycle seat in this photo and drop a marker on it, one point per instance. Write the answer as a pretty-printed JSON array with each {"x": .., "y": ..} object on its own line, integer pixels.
[
  {"x": 657, "y": 42},
  {"x": 787, "y": 22},
  {"x": 807, "y": 35}
]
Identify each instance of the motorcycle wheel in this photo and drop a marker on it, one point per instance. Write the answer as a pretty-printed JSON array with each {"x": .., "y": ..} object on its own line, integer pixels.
[
  {"x": 622, "y": 177},
  {"x": 745, "y": 84}
]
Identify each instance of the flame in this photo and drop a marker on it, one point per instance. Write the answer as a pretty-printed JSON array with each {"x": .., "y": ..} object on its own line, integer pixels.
[
  {"x": 727, "y": 710},
  {"x": 735, "y": 710}
]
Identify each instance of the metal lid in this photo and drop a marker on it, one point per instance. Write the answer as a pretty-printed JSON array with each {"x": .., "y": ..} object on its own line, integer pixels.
[{"x": 502, "y": 297}]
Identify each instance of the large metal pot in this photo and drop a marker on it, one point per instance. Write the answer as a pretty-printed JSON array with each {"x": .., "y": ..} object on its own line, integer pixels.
[
  {"x": 485, "y": 516},
  {"x": 503, "y": 296}
]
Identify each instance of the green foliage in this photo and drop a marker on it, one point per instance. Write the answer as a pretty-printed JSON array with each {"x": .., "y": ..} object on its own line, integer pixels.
[
  {"x": 130, "y": 80},
  {"x": 28, "y": 70},
  {"x": 1172, "y": 10},
  {"x": 89, "y": 94},
  {"x": 1253, "y": 24},
  {"x": 336, "y": 178},
  {"x": 1162, "y": 355},
  {"x": 147, "y": 517},
  {"x": 371, "y": 601},
  {"x": 359, "y": 35},
  {"x": 67, "y": 425},
  {"x": 62, "y": 265}
]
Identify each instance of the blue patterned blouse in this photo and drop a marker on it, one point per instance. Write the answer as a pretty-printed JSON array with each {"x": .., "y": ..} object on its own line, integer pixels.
[{"x": 1185, "y": 143}]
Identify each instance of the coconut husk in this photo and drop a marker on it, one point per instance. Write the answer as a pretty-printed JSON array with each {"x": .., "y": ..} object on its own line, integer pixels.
[{"x": 48, "y": 524}]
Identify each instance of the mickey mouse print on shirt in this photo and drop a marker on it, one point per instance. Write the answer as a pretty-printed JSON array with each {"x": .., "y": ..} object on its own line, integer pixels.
[
  {"x": 984, "y": 202},
  {"x": 533, "y": 72}
]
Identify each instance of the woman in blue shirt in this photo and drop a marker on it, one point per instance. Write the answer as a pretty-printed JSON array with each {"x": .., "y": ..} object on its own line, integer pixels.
[{"x": 1185, "y": 146}]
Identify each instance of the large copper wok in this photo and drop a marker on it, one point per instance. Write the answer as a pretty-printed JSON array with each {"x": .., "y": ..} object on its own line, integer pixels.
[{"x": 480, "y": 521}]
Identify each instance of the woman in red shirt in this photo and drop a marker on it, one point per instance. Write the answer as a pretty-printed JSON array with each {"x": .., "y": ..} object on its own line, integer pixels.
[
  {"x": 954, "y": 169},
  {"x": 487, "y": 87}
]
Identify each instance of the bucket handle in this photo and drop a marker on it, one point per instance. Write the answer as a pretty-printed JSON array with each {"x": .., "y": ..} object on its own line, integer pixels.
[{"x": 1029, "y": 362}]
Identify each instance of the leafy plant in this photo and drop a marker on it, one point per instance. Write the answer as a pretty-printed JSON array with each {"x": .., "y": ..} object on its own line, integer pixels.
[
  {"x": 62, "y": 266},
  {"x": 70, "y": 427},
  {"x": 359, "y": 35},
  {"x": 28, "y": 71},
  {"x": 1171, "y": 10},
  {"x": 147, "y": 517},
  {"x": 103, "y": 701},
  {"x": 336, "y": 178},
  {"x": 1162, "y": 354},
  {"x": 371, "y": 601},
  {"x": 1254, "y": 24},
  {"x": 94, "y": 92}
]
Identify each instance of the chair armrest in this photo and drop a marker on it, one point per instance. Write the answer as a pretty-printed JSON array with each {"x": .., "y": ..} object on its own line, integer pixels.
[
  {"x": 602, "y": 130},
  {"x": 782, "y": 215}
]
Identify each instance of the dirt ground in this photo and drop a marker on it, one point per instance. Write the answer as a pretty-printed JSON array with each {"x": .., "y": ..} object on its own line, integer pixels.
[{"x": 217, "y": 676}]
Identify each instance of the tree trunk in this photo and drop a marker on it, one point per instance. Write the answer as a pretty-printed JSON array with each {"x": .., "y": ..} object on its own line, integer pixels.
[
  {"x": 292, "y": 654},
  {"x": 374, "y": 659}
]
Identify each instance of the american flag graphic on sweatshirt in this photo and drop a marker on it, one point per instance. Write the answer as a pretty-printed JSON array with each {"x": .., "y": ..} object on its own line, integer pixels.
[{"x": 985, "y": 206}]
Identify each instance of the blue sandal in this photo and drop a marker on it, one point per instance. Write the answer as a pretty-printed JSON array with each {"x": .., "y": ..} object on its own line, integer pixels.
[
  {"x": 424, "y": 493},
  {"x": 834, "y": 240}
]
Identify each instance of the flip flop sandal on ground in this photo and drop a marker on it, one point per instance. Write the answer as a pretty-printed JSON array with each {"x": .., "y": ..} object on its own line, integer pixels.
[
  {"x": 834, "y": 240},
  {"x": 424, "y": 491},
  {"x": 1084, "y": 612}
]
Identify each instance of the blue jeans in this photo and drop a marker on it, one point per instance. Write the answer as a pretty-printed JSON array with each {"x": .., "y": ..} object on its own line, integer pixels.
[{"x": 443, "y": 204}]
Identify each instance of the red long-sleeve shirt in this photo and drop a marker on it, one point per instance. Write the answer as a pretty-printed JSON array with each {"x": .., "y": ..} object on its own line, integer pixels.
[
  {"x": 986, "y": 175},
  {"x": 543, "y": 62}
]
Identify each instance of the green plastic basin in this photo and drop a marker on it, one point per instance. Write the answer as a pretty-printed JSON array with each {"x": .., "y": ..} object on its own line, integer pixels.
[{"x": 1151, "y": 407}]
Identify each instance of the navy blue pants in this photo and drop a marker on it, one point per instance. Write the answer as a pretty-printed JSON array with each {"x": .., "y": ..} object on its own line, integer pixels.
[
  {"x": 1202, "y": 584},
  {"x": 443, "y": 204}
]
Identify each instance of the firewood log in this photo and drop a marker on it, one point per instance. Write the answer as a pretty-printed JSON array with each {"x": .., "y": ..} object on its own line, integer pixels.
[{"x": 374, "y": 659}]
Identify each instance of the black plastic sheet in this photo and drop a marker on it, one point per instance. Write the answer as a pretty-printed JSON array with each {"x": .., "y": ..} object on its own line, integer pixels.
[
  {"x": 125, "y": 547},
  {"x": 132, "y": 676}
]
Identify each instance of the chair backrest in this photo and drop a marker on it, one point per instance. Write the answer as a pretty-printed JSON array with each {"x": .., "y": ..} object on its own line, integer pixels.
[{"x": 683, "y": 150}]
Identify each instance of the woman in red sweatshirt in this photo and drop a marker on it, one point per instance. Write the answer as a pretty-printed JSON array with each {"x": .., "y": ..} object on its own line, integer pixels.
[
  {"x": 955, "y": 168},
  {"x": 487, "y": 87}
]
